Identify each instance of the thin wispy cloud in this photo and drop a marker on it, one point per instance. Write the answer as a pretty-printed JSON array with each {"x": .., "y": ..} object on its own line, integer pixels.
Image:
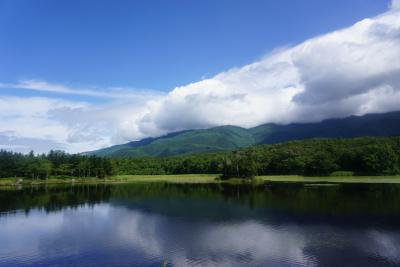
[{"x": 114, "y": 92}]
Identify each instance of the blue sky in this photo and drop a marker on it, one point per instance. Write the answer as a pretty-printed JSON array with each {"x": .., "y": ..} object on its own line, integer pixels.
[
  {"x": 156, "y": 44},
  {"x": 79, "y": 75}
]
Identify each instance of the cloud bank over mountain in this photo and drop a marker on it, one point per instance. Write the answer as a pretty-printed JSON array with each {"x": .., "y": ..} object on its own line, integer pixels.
[{"x": 351, "y": 71}]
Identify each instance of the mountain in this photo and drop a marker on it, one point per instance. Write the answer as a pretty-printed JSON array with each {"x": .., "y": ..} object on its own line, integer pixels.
[
  {"x": 385, "y": 124},
  {"x": 186, "y": 142},
  {"x": 233, "y": 137}
]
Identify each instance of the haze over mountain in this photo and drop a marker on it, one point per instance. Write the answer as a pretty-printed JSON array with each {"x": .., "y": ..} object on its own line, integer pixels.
[
  {"x": 199, "y": 65},
  {"x": 232, "y": 137}
]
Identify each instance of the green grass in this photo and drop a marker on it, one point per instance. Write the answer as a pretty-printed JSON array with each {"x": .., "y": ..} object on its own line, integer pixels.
[
  {"x": 182, "y": 178},
  {"x": 7, "y": 181},
  {"x": 204, "y": 178},
  {"x": 331, "y": 179},
  {"x": 51, "y": 180}
]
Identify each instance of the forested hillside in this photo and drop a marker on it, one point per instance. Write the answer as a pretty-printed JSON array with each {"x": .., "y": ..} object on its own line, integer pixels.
[
  {"x": 230, "y": 137},
  {"x": 358, "y": 156},
  {"x": 187, "y": 142}
]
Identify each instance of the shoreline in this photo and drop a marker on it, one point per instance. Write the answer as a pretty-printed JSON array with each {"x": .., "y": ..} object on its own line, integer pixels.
[
  {"x": 202, "y": 178},
  {"x": 332, "y": 179}
]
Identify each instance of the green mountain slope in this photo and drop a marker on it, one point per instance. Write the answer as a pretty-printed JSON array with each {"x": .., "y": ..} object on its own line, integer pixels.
[
  {"x": 232, "y": 137},
  {"x": 386, "y": 124},
  {"x": 194, "y": 141}
]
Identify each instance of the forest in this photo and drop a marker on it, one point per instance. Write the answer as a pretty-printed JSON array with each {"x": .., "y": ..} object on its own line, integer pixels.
[
  {"x": 55, "y": 163},
  {"x": 315, "y": 157}
]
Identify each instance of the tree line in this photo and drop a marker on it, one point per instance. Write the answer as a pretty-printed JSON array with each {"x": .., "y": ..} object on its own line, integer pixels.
[
  {"x": 55, "y": 163},
  {"x": 316, "y": 157}
]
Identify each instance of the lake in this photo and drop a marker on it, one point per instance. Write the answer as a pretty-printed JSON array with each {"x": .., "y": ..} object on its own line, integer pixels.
[{"x": 163, "y": 224}]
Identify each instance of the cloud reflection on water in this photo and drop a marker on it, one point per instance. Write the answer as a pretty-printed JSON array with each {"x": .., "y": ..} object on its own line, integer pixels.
[{"x": 120, "y": 236}]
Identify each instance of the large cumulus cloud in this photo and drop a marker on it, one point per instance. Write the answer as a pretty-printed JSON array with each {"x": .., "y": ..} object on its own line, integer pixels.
[{"x": 350, "y": 71}]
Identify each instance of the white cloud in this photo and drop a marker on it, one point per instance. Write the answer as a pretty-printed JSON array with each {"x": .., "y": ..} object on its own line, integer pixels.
[
  {"x": 25, "y": 122},
  {"x": 44, "y": 86},
  {"x": 395, "y": 4},
  {"x": 346, "y": 72},
  {"x": 9, "y": 141},
  {"x": 41, "y": 124}
]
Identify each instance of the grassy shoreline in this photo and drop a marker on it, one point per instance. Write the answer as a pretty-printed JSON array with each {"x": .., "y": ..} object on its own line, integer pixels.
[
  {"x": 332, "y": 179},
  {"x": 200, "y": 178},
  {"x": 184, "y": 178}
]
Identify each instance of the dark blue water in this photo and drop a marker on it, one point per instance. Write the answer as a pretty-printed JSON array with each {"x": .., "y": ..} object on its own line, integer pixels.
[{"x": 201, "y": 225}]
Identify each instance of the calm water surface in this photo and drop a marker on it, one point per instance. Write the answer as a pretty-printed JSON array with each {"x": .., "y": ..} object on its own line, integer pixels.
[{"x": 201, "y": 225}]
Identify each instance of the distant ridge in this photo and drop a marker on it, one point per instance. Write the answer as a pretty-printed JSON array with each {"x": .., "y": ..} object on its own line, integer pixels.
[{"x": 233, "y": 137}]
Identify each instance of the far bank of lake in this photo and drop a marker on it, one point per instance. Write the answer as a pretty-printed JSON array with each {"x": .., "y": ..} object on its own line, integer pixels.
[{"x": 201, "y": 178}]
